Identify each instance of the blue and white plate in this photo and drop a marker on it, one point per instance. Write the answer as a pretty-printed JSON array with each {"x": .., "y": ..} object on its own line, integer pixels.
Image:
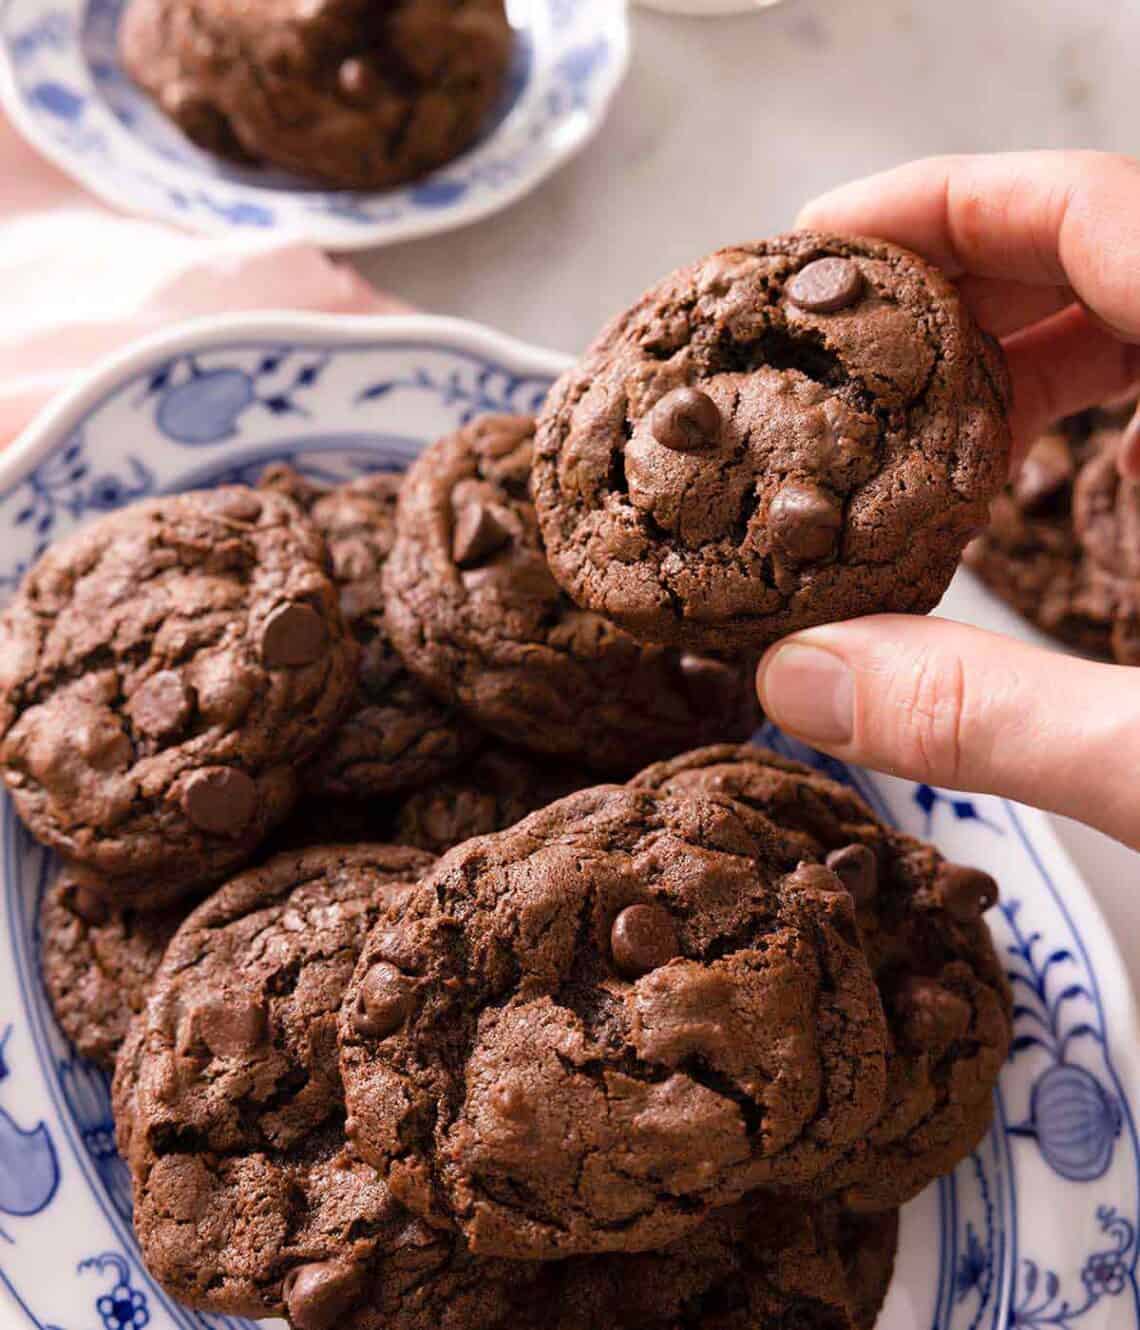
[
  {"x": 1039, "y": 1228},
  {"x": 61, "y": 84}
]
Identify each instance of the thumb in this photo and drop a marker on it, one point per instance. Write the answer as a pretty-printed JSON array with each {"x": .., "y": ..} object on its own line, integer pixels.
[{"x": 964, "y": 709}]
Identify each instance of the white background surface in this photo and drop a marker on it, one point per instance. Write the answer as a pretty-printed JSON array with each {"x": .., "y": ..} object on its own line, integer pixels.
[{"x": 726, "y": 125}]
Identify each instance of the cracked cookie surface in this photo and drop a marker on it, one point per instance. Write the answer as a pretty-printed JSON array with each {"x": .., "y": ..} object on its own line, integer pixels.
[
  {"x": 754, "y": 1266},
  {"x": 589, "y": 1030},
  {"x": 228, "y": 1101},
  {"x": 162, "y": 674},
  {"x": 945, "y": 996},
  {"x": 748, "y": 1267},
  {"x": 493, "y": 791},
  {"x": 97, "y": 961},
  {"x": 353, "y": 93},
  {"x": 396, "y": 736},
  {"x": 1062, "y": 543},
  {"x": 787, "y": 433},
  {"x": 476, "y": 614}
]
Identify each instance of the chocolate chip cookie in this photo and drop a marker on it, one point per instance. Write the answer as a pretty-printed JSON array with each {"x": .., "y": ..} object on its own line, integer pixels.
[
  {"x": 477, "y": 616},
  {"x": 1062, "y": 545},
  {"x": 343, "y": 91},
  {"x": 97, "y": 961},
  {"x": 587, "y": 1031},
  {"x": 396, "y": 735},
  {"x": 228, "y": 1101},
  {"x": 787, "y": 433},
  {"x": 162, "y": 674},
  {"x": 495, "y": 790},
  {"x": 748, "y": 1267},
  {"x": 920, "y": 918}
]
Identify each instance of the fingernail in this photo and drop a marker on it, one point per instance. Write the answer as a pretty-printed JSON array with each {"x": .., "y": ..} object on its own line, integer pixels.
[{"x": 810, "y": 692}]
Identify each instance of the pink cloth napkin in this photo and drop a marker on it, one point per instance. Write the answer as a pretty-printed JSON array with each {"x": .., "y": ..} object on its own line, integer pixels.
[{"x": 78, "y": 280}]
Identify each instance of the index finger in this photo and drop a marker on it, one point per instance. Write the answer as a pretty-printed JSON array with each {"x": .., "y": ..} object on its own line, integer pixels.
[{"x": 1064, "y": 219}]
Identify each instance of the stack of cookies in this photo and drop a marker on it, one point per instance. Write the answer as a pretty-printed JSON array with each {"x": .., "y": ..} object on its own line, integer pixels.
[{"x": 658, "y": 1041}]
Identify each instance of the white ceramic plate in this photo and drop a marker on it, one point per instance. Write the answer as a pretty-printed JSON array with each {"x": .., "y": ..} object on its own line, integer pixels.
[
  {"x": 61, "y": 84},
  {"x": 1037, "y": 1229}
]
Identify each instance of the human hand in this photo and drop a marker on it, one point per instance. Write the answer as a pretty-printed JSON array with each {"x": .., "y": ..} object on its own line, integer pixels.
[{"x": 1044, "y": 247}]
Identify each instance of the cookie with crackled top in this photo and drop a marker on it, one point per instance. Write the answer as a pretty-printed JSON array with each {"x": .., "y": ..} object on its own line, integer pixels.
[
  {"x": 228, "y": 1102},
  {"x": 944, "y": 992},
  {"x": 1063, "y": 543},
  {"x": 748, "y": 1267},
  {"x": 787, "y": 433},
  {"x": 163, "y": 674},
  {"x": 395, "y": 736},
  {"x": 97, "y": 960},
  {"x": 474, "y": 611},
  {"x": 355, "y": 94},
  {"x": 586, "y": 1032}
]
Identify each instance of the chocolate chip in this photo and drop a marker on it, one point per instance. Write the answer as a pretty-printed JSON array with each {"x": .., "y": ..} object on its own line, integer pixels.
[
  {"x": 815, "y": 877},
  {"x": 478, "y": 532},
  {"x": 708, "y": 683},
  {"x": 99, "y": 737},
  {"x": 643, "y": 938},
  {"x": 161, "y": 706},
  {"x": 357, "y": 81},
  {"x": 382, "y": 1005},
  {"x": 1046, "y": 471},
  {"x": 685, "y": 420},
  {"x": 293, "y": 635},
  {"x": 510, "y": 1102},
  {"x": 933, "y": 1017},
  {"x": 88, "y": 905},
  {"x": 826, "y": 286},
  {"x": 320, "y": 1294},
  {"x": 858, "y": 870},
  {"x": 229, "y": 1027},
  {"x": 804, "y": 522},
  {"x": 965, "y": 893},
  {"x": 236, "y": 504},
  {"x": 220, "y": 800}
]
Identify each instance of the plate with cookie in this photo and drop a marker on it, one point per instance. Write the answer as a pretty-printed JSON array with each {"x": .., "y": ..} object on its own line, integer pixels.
[
  {"x": 335, "y": 122},
  {"x": 410, "y": 922}
]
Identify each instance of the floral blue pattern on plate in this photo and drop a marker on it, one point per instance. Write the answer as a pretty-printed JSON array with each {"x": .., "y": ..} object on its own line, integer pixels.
[
  {"x": 1039, "y": 1228},
  {"x": 61, "y": 84}
]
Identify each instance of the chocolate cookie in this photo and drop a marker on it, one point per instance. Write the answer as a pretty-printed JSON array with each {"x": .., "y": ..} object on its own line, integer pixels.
[
  {"x": 753, "y": 1266},
  {"x": 228, "y": 1101},
  {"x": 162, "y": 674},
  {"x": 476, "y": 615},
  {"x": 495, "y": 790},
  {"x": 587, "y": 1031},
  {"x": 787, "y": 433},
  {"x": 396, "y": 736},
  {"x": 97, "y": 961},
  {"x": 1062, "y": 545},
  {"x": 920, "y": 918},
  {"x": 343, "y": 91}
]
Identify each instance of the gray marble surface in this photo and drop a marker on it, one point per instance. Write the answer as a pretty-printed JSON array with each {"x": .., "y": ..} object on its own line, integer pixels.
[{"x": 726, "y": 125}]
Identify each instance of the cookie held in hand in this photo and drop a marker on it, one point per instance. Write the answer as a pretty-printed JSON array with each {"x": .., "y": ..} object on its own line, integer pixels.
[{"x": 787, "y": 433}]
